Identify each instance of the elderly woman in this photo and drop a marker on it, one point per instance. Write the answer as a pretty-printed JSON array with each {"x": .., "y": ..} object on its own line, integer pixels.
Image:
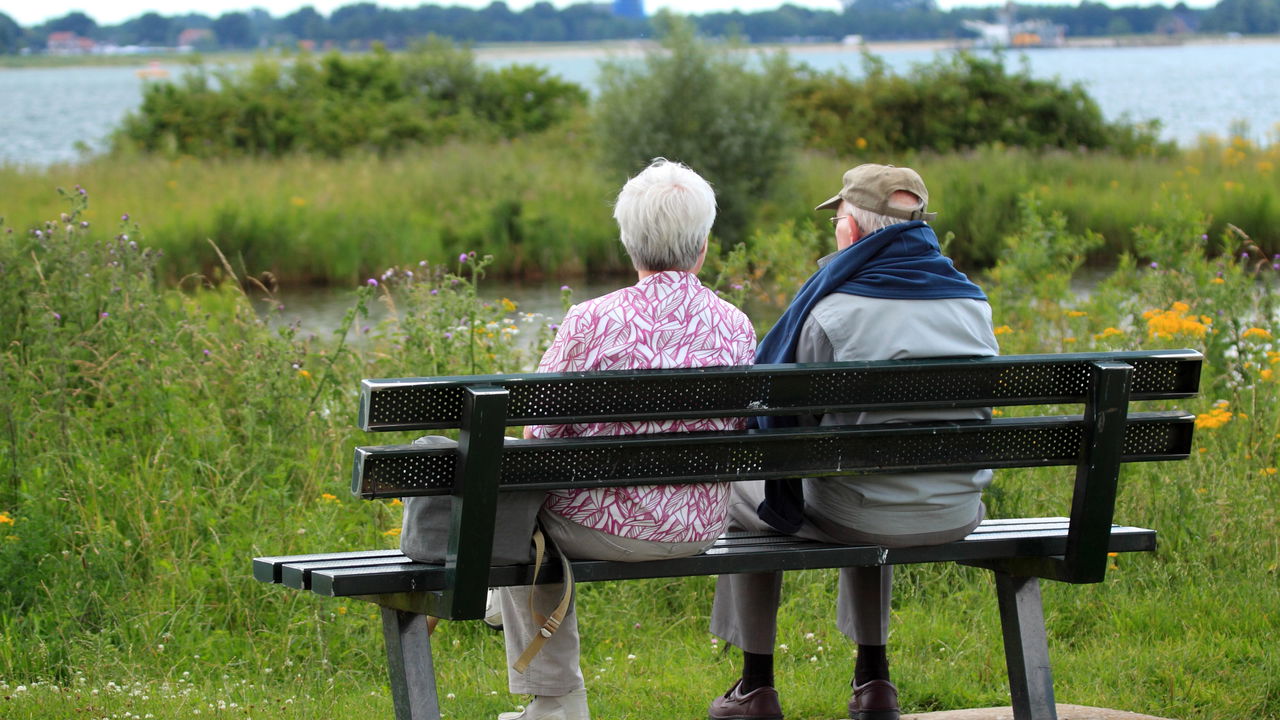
[{"x": 666, "y": 320}]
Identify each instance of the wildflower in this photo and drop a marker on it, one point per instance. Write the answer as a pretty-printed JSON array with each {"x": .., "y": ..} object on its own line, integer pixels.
[
  {"x": 395, "y": 502},
  {"x": 1109, "y": 332},
  {"x": 1269, "y": 471},
  {"x": 1218, "y": 281},
  {"x": 1003, "y": 330},
  {"x": 1077, "y": 313},
  {"x": 5, "y": 519},
  {"x": 297, "y": 201},
  {"x": 564, "y": 288},
  {"x": 105, "y": 315},
  {"x": 1113, "y": 554},
  {"x": 207, "y": 353},
  {"x": 1154, "y": 265},
  {"x": 1174, "y": 321},
  {"x": 328, "y": 497},
  {"x": 342, "y": 610},
  {"x": 462, "y": 258},
  {"x": 372, "y": 282},
  {"x": 84, "y": 224},
  {"x": 304, "y": 373},
  {"x": 735, "y": 286},
  {"x": 1256, "y": 332},
  {"x": 1068, "y": 340},
  {"x": 1266, "y": 374},
  {"x": 860, "y": 143},
  {"x": 57, "y": 316},
  {"x": 1215, "y": 418},
  {"x": 507, "y": 305},
  {"x": 393, "y": 532},
  {"x": 124, "y": 217}
]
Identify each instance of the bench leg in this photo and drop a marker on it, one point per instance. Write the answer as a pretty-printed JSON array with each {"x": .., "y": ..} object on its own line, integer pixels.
[
  {"x": 413, "y": 680},
  {"x": 1026, "y": 647}
]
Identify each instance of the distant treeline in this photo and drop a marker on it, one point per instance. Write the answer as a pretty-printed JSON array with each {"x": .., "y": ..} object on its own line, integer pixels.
[{"x": 360, "y": 24}]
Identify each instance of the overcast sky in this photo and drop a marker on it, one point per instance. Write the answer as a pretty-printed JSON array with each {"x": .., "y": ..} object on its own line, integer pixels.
[{"x": 111, "y": 12}]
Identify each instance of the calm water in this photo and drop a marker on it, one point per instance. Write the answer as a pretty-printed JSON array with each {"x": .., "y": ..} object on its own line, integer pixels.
[{"x": 46, "y": 114}]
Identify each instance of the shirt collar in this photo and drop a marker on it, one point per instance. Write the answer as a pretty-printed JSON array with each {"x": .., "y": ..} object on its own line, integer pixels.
[{"x": 670, "y": 277}]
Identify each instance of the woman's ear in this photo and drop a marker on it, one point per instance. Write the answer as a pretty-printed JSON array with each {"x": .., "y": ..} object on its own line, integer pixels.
[{"x": 702, "y": 257}]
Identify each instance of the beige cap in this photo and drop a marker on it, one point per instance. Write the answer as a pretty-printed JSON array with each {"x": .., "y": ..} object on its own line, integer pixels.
[{"x": 872, "y": 186}]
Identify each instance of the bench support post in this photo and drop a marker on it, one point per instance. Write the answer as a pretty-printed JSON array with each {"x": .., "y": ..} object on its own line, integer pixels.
[
  {"x": 413, "y": 679},
  {"x": 1026, "y": 647}
]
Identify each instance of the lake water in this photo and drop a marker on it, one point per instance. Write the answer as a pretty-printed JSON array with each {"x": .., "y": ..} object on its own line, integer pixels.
[{"x": 52, "y": 115}]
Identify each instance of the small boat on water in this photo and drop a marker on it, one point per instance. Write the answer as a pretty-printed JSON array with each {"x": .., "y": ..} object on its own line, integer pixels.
[{"x": 153, "y": 70}]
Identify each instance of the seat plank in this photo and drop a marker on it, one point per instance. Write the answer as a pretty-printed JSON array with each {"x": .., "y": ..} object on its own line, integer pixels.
[{"x": 993, "y": 539}]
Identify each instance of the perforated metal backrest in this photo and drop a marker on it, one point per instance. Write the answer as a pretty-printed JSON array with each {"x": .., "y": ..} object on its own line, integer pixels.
[{"x": 435, "y": 403}]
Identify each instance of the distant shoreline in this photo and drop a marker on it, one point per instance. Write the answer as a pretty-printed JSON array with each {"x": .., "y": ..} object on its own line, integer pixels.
[{"x": 634, "y": 48}]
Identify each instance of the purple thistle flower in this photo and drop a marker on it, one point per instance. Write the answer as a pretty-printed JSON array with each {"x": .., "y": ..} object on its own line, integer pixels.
[
  {"x": 1244, "y": 255},
  {"x": 471, "y": 254},
  {"x": 735, "y": 286},
  {"x": 554, "y": 326},
  {"x": 462, "y": 258},
  {"x": 372, "y": 282},
  {"x": 39, "y": 234},
  {"x": 84, "y": 223},
  {"x": 105, "y": 315},
  {"x": 435, "y": 291},
  {"x": 57, "y": 316},
  {"x": 207, "y": 353},
  {"x": 448, "y": 336},
  {"x": 1154, "y": 265},
  {"x": 124, "y": 217},
  {"x": 1204, "y": 236},
  {"x": 1275, "y": 266},
  {"x": 564, "y": 288}
]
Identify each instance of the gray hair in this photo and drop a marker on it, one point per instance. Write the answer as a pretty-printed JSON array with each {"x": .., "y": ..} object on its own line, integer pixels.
[
  {"x": 665, "y": 215},
  {"x": 869, "y": 222}
]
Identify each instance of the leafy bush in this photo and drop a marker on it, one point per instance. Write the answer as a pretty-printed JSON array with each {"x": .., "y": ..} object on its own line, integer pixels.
[
  {"x": 703, "y": 106},
  {"x": 959, "y": 102},
  {"x": 337, "y": 103}
]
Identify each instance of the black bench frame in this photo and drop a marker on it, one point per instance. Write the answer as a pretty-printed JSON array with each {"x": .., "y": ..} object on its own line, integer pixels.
[{"x": 1019, "y": 551}]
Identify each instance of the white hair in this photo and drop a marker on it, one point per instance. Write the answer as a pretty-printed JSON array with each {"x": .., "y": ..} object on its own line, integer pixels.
[
  {"x": 665, "y": 215},
  {"x": 869, "y": 222}
]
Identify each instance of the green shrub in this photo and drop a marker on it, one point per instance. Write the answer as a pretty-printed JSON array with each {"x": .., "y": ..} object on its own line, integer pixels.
[
  {"x": 954, "y": 103},
  {"x": 337, "y": 103},
  {"x": 702, "y": 105}
]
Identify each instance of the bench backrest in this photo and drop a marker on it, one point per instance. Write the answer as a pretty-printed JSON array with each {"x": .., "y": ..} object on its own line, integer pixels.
[{"x": 476, "y": 468}]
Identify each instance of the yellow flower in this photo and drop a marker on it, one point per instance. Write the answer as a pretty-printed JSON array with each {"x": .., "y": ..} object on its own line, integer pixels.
[
  {"x": 1068, "y": 340},
  {"x": 1218, "y": 281},
  {"x": 6, "y": 520},
  {"x": 304, "y": 373},
  {"x": 1215, "y": 418},
  {"x": 1004, "y": 330},
  {"x": 1266, "y": 374},
  {"x": 342, "y": 610},
  {"x": 328, "y": 497},
  {"x": 1109, "y": 332},
  {"x": 11, "y": 538},
  {"x": 997, "y": 412},
  {"x": 1175, "y": 321},
  {"x": 393, "y": 532},
  {"x": 1265, "y": 167},
  {"x": 297, "y": 201},
  {"x": 1256, "y": 332},
  {"x": 508, "y": 306},
  {"x": 395, "y": 502},
  {"x": 1113, "y": 554},
  {"x": 1269, "y": 471},
  {"x": 1076, "y": 313},
  {"x": 860, "y": 143}
]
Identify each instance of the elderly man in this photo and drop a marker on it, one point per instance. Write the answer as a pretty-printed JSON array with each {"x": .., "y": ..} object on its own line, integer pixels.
[{"x": 886, "y": 293}]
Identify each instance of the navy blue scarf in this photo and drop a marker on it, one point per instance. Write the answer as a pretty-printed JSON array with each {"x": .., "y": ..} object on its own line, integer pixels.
[{"x": 900, "y": 262}]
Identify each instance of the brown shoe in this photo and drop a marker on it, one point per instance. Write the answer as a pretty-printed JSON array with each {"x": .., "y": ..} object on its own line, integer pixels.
[
  {"x": 759, "y": 704},
  {"x": 874, "y": 700}
]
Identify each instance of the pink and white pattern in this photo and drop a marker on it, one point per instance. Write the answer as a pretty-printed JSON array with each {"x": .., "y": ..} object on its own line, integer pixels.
[{"x": 667, "y": 320}]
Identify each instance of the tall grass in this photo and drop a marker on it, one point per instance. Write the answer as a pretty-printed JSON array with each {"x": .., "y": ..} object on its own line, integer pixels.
[
  {"x": 153, "y": 441},
  {"x": 542, "y": 205}
]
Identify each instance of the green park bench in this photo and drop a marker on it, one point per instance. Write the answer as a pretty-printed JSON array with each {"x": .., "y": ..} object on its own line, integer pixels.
[{"x": 479, "y": 466}]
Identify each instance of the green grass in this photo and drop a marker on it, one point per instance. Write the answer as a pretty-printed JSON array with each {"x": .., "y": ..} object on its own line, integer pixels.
[
  {"x": 146, "y": 455},
  {"x": 542, "y": 205}
]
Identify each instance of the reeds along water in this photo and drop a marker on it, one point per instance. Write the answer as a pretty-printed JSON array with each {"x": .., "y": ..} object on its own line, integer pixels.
[{"x": 541, "y": 205}]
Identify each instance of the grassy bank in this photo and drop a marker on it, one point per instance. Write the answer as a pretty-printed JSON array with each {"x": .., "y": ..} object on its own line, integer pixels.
[
  {"x": 154, "y": 441},
  {"x": 542, "y": 205}
]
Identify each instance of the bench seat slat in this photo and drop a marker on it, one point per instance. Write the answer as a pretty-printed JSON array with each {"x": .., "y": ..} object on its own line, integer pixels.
[
  {"x": 433, "y": 403},
  {"x": 1030, "y": 537},
  {"x": 412, "y": 470},
  {"x": 268, "y": 569}
]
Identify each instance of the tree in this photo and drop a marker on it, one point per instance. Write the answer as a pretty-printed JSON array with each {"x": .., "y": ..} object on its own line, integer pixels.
[
  {"x": 76, "y": 22},
  {"x": 234, "y": 30},
  {"x": 10, "y": 35},
  {"x": 304, "y": 24},
  {"x": 706, "y": 106},
  {"x": 151, "y": 29}
]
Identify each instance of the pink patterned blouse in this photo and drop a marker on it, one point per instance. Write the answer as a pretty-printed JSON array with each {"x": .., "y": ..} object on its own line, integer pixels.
[{"x": 667, "y": 320}]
